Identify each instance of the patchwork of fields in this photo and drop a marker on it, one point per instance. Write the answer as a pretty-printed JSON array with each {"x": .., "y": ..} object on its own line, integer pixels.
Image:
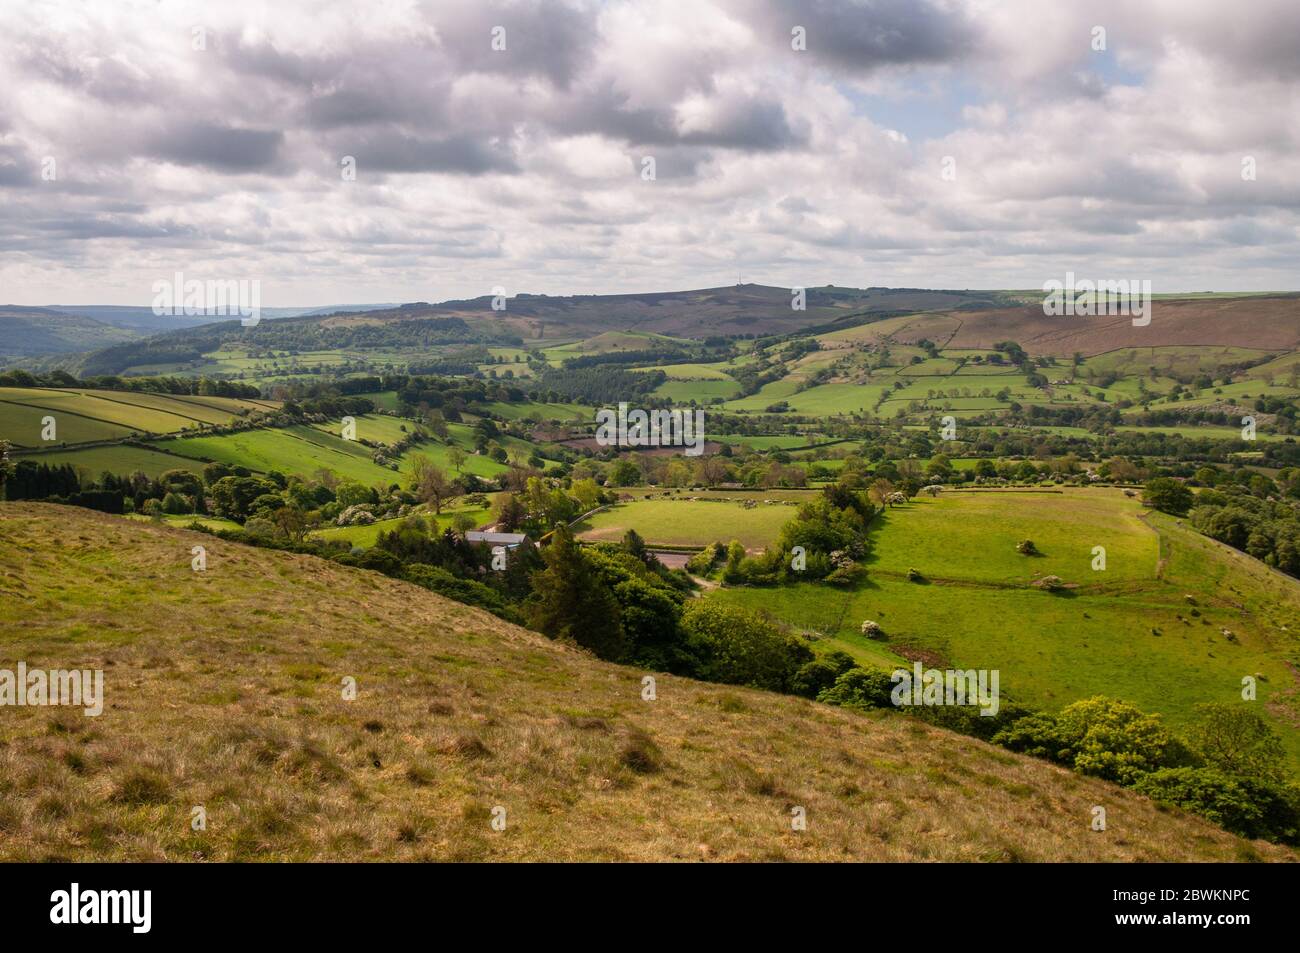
[{"x": 83, "y": 416}]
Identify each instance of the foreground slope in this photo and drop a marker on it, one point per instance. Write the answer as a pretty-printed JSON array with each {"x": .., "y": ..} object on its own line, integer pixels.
[{"x": 223, "y": 691}]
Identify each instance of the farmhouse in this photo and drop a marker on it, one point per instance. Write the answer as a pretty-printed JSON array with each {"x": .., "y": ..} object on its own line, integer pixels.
[{"x": 508, "y": 540}]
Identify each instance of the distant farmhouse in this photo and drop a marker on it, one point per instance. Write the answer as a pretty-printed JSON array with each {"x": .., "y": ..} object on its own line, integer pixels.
[{"x": 508, "y": 540}]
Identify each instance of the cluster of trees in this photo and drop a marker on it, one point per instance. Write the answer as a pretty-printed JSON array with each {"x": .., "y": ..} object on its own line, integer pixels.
[
  {"x": 1167, "y": 495},
  {"x": 826, "y": 540},
  {"x": 618, "y": 601},
  {"x": 661, "y": 355},
  {"x": 446, "y": 563},
  {"x": 29, "y": 480},
  {"x": 601, "y": 384},
  {"x": 1230, "y": 768},
  {"x": 739, "y": 466},
  {"x": 173, "y": 492},
  {"x": 1268, "y": 529},
  {"x": 452, "y": 395},
  {"x": 757, "y": 374},
  {"x": 200, "y": 386},
  {"x": 296, "y": 334},
  {"x": 541, "y": 505},
  {"x": 1245, "y": 509}
]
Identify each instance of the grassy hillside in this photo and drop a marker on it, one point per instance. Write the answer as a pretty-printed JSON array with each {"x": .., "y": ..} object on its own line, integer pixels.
[
  {"x": 223, "y": 691},
  {"x": 83, "y": 415},
  {"x": 116, "y": 459},
  {"x": 300, "y": 449},
  {"x": 1128, "y": 631},
  {"x": 1264, "y": 322},
  {"x": 26, "y": 332}
]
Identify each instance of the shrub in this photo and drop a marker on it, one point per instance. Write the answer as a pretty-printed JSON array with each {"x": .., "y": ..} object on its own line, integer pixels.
[
  {"x": 1039, "y": 735},
  {"x": 1098, "y": 736},
  {"x": 1238, "y": 741},
  {"x": 259, "y": 527},
  {"x": 1245, "y": 806},
  {"x": 358, "y": 514},
  {"x": 1167, "y": 495},
  {"x": 968, "y": 720},
  {"x": 1116, "y": 741},
  {"x": 816, "y": 676},
  {"x": 738, "y": 646},
  {"x": 1026, "y": 547},
  {"x": 702, "y": 562},
  {"x": 469, "y": 591},
  {"x": 860, "y": 688}
]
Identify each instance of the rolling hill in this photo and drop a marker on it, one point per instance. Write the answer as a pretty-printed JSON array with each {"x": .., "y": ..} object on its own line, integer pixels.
[
  {"x": 29, "y": 332},
  {"x": 86, "y": 415},
  {"x": 1269, "y": 323},
  {"x": 739, "y": 309},
  {"x": 222, "y": 691}
]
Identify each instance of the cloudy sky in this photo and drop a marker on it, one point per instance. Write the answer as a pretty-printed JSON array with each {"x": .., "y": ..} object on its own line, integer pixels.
[{"x": 949, "y": 143}]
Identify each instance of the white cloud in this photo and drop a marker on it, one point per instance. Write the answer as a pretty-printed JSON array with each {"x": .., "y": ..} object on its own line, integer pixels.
[{"x": 521, "y": 168}]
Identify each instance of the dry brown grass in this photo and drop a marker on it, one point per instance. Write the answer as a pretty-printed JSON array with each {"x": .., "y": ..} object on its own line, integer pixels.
[
  {"x": 223, "y": 690},
  {"x": 1266, "y": 323}
]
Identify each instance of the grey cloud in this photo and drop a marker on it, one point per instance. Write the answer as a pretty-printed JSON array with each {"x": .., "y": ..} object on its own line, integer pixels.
[
  {"x": 394, "y": 151},
  {"x": 17, "y": 166},
  {"x": 863, "y": 35},
  {"x": 753, "y": 125},
  {"x": 545, "y": 39},
  {"x": 356, "y": 105},
  {"x": 216, "y": 147}
]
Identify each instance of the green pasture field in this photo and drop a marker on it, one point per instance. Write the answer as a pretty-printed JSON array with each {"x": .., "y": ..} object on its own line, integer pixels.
[
  {"x": 1214, "y": 432},
  {"x": 384, "y": 400},
  {"x": 1241, "y": 392},
  {"x": 790, "y": 494},
  {"x": 118, "y": 459},
  {"x": 822, "y": 400},
  {"x": 300, "y": 450},
  {"x": 682, "y": 392},
  {"x": 680, "y": 522},
  {"x": 692, "y": 372},
  {"x": 498, "y": 371},
  {"x": 972, "y": 537},
  {"x": 540, "y": 411},
  {"x": 1280, "y": 368},
  {"x": 91, "y": 415},
  {"x": 766, "y": 441},
  {"x": 934, "y": 367},
  {"x": 375, "y": 427},
  {"x": 1127, "y": 632},
  {"x": 1137, "y": 361}
]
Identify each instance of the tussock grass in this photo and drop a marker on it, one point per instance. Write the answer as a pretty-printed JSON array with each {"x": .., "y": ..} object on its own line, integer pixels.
[{"x": 223, "y": 690}]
